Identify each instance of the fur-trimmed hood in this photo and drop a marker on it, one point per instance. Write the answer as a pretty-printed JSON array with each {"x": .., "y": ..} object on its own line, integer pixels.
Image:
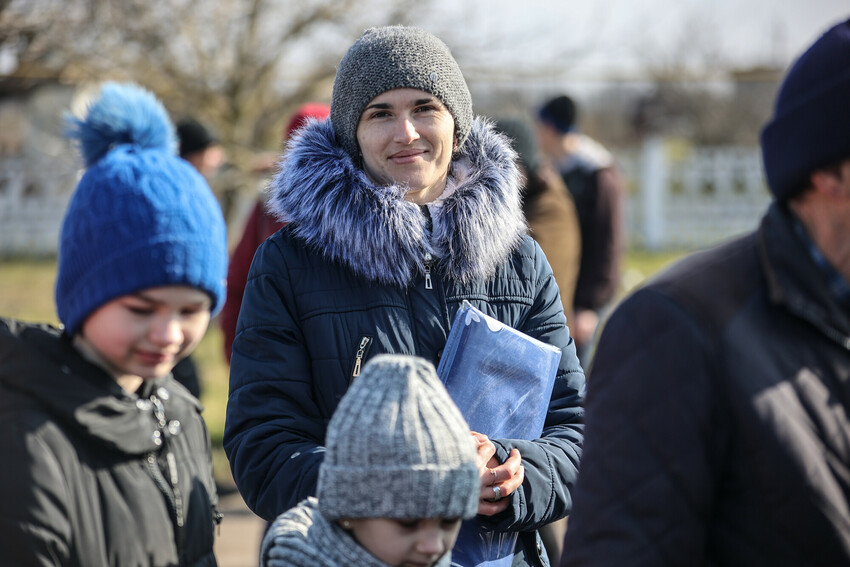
[{"x": 331, "y": 204}]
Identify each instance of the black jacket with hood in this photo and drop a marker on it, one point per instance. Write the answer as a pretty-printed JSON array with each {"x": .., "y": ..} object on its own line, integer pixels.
[{"x": 91, "y": 474}]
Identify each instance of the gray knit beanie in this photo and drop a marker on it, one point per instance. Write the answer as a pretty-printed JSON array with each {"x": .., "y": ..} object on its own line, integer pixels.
[
  {"x": 398, "y": 447},
  {"x": 396, "y": 57}
]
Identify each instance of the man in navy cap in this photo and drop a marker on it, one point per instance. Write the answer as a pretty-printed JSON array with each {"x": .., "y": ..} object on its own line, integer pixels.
[{"x": 717, "y": 429}]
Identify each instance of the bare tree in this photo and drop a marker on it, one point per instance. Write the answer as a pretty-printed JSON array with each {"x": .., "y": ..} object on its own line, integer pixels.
[{"x": 238, "y": 64}]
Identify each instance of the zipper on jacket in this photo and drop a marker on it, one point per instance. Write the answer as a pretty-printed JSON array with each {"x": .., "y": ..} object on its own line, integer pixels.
[
  {"x": 429, "y": 260},
  {"x": 362, "y": 348},
  {"x": 168, "y": 486}
]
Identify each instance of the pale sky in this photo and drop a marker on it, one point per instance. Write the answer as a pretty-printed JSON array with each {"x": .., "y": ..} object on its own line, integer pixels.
[{"x": 620, "y": 36}]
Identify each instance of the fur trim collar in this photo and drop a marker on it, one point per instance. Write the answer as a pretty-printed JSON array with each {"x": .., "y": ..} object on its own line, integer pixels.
[{"x": 331, "y": 205}]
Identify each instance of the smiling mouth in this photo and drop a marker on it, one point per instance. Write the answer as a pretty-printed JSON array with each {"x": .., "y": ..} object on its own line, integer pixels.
[{"x": 407, "y": 156}]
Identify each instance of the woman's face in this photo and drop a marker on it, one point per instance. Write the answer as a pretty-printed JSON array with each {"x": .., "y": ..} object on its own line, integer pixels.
[
  {"x": 406, "y": 543},
  {"x": 144, "y": 334},
  {"x": 406, "y": 137}
]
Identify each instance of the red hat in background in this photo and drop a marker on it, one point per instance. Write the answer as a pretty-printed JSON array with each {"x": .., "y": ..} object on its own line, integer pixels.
[{"x": 316, "y": 110}]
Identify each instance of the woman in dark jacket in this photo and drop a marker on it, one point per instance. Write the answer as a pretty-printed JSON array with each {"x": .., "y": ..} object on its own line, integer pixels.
[
  {"x": 106, "y": 459},
  {"x": 399, "y": 208}
]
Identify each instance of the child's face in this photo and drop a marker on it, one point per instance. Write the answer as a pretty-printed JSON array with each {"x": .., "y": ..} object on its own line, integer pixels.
[
  {"x": 146, "y": 333},
  {"x": 406, "y": 543}
]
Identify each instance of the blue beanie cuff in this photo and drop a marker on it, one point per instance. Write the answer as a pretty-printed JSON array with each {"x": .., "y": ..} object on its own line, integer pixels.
[{"x": 96, "y": 281}]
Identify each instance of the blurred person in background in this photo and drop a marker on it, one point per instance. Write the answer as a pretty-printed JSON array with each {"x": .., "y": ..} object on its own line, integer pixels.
[
  {"x": 717, "y": 417},
  {"x": 399, "y": 438},
  {"x": 106, "y": 458},
  {"x": 592, "y": 178},
  {"x": 548, "y": 208},
  {"x": 200, "y": 148},
  {"x": 260, "y": 225},
  {"x": 398, "y": 209},
  {"x": 553, "y": 223}
]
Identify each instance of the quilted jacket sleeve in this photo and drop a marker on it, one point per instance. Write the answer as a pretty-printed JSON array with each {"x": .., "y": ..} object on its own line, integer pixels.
[
  {"x": 551, "y": 462},
  {"x": 274, "y": 432},
  {"x": 646, "y": 483},
  {"x": 35, "y": 529}
]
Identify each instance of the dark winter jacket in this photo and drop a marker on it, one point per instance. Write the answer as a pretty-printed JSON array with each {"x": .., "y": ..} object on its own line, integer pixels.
[
  {"x": 354, "y": 274},
  {"x": 90, "y": 476},
  {"x": 717, "y": 418}
]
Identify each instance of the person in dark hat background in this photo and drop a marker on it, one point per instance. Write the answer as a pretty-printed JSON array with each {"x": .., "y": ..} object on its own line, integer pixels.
[
  {"x": 199, "y": 147},
  {"x": 594, "y": 181},
  {"x": 718, "y": 413}
]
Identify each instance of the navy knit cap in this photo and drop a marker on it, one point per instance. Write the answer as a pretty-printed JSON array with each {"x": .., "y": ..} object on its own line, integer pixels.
[
  {"x": 140, "y": 217},
  {"x": 193, "y": 137},
  {"x": 811, "y": 119},
  {"x": 560, "y": 113},
  {"x": 398, "y": 447},
  {"x": 395, "y": 57}
]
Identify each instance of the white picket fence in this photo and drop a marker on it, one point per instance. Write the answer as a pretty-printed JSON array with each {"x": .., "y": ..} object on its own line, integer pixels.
[
  {"x": 33, "y": 199},
  {"x": 678, "y": 197},
  {"x": 684, "y": 197}
]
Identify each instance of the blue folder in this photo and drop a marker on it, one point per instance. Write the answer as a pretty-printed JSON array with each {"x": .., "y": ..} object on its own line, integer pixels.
[{"x": 502, "y": 380}]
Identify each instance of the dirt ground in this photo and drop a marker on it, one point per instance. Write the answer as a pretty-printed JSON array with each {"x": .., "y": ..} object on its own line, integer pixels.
[{"x": 239, "y": 535}]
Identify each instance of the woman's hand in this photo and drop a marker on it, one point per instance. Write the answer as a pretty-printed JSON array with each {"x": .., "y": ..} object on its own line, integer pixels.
[{"x": 497, "y": 480}]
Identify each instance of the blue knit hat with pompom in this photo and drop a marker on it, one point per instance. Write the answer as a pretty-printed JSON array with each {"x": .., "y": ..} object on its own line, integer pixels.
[{"x": 140, "y": 216}]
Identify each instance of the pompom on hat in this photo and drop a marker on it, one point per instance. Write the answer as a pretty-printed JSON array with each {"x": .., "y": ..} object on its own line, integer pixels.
[
  {"x": 140, "y": 216},
  {"x": 395, "y": 57},
  {"x": 811, "y": 119},
  {"x": 398, "y": 447}
]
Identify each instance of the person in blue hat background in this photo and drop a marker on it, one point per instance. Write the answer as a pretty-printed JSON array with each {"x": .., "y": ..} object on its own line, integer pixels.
[{"x": 106, "y": 457}]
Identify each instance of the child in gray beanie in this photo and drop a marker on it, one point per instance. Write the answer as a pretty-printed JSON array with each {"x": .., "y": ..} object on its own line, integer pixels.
[{"x": 398, "y": 477}]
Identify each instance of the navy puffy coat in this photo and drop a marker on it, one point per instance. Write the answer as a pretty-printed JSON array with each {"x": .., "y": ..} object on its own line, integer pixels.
[{"x": 349, "y": 278}]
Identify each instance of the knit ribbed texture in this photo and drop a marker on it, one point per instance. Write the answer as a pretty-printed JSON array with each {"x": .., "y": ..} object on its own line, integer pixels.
[
  {"x": 398, "y": 447},
  {"x": 812, "y": 115},
  {"x": 396, "y": 57},
  {"x": 140, "y": 217}
]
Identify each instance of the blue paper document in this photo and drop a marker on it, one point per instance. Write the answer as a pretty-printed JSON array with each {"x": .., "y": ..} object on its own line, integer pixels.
[{"x": 502, "y": 380}]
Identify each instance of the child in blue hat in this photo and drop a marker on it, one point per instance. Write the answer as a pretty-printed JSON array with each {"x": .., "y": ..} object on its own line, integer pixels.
[{"x": 107, "y": 458}]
